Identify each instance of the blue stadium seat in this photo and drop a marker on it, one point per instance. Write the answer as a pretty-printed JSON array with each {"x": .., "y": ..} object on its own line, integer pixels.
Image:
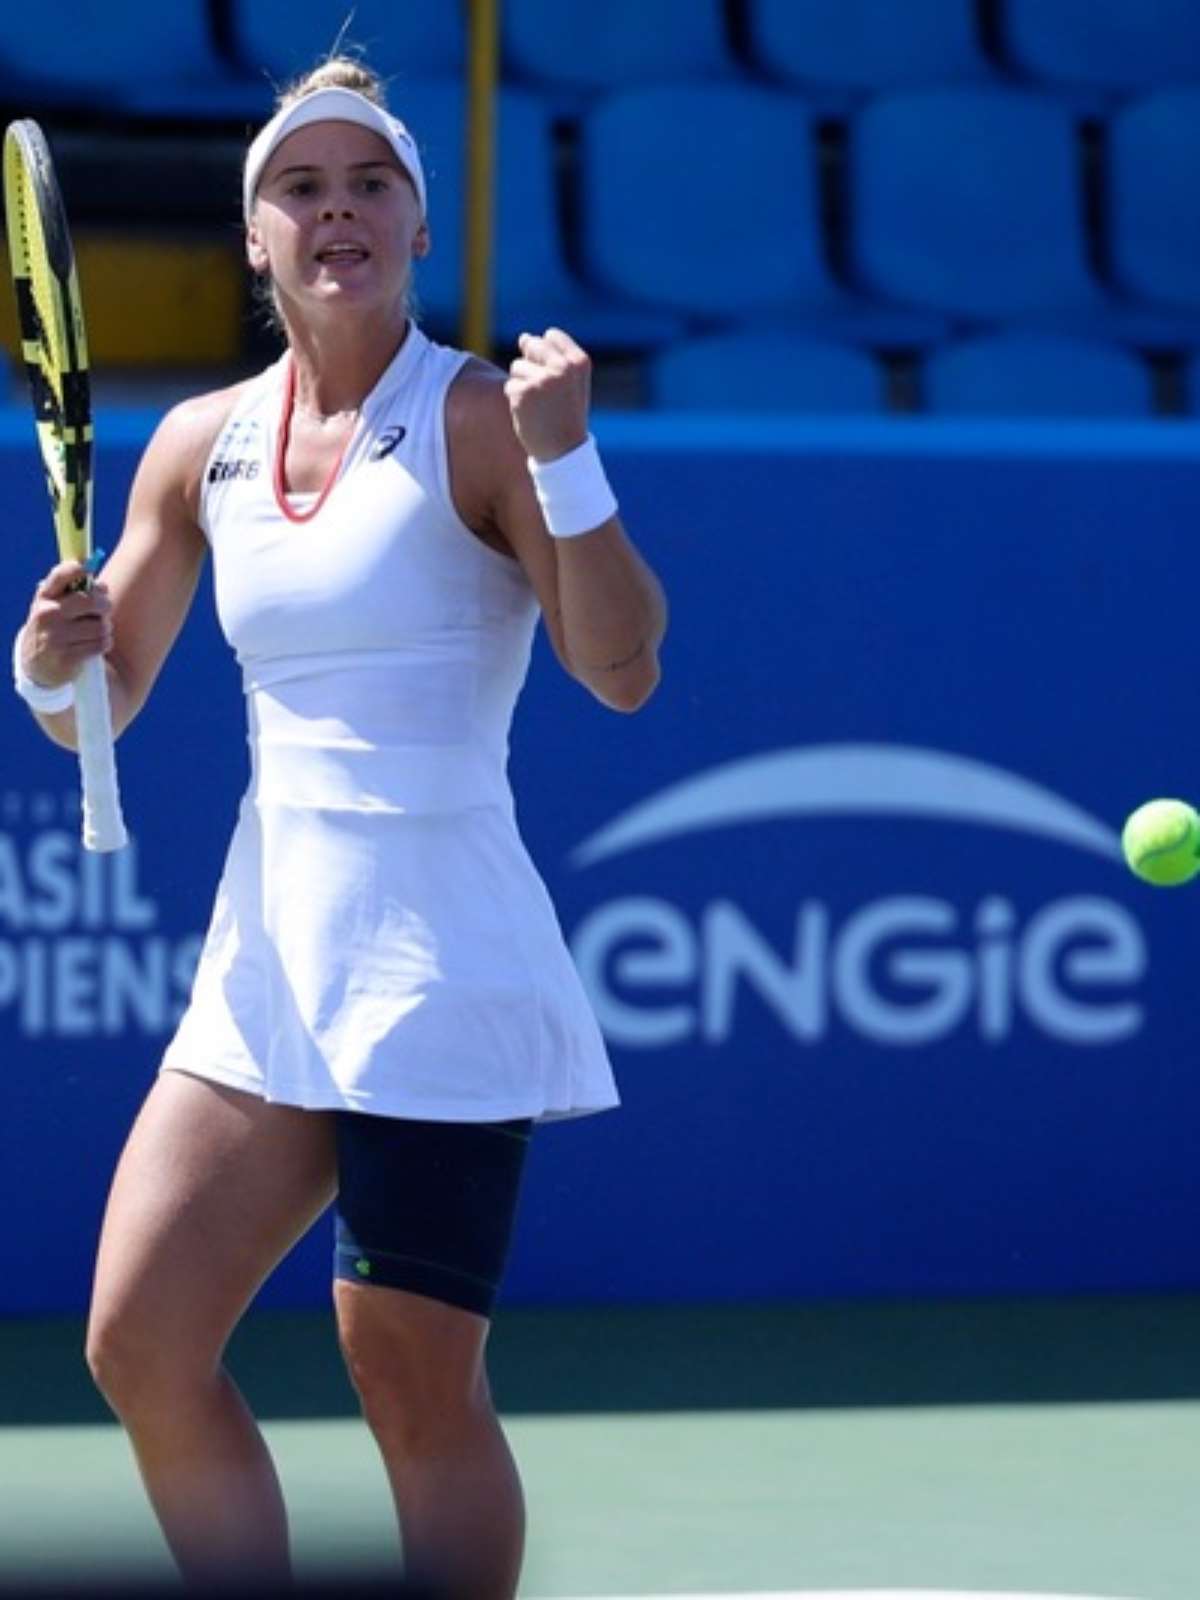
[
  {"x": 1111, "y": 44},
  {"x": 1154, "y": 198},
  {"x": 618, "y": 43},
  {"x": 856, "y": 45},
  {"x": 1037, "y": 375},
  {"x": 703, "y": 198},
  {"x": 156, "y": 59},
  {"x": 970, "y": 201},
  {"x": 285, "y": 38},
  {"x": 1191, "y": 385},
  {"x": 532, "y": 282},
  {"x": 764, "y": 372}
]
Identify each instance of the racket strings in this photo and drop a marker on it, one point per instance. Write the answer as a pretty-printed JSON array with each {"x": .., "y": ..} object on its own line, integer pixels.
[{"x": 37, "y": 307}]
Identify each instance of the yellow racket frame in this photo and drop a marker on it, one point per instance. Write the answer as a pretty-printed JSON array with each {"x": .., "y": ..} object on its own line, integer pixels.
[{"x": 53, "y": 340}]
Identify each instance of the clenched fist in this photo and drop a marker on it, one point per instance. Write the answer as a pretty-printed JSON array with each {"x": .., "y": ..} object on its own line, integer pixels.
[{"x": 549, "y": 391}]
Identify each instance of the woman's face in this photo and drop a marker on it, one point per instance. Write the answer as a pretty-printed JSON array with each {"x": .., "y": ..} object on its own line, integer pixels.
[{"x": 336, "y": 221}]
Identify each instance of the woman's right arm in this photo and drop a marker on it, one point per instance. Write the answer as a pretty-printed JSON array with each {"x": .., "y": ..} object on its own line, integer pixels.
[{"x": 134, "y": 611}]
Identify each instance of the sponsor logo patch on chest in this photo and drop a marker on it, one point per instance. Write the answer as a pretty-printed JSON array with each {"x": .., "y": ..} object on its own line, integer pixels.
[{"x": 235, "y": 467}]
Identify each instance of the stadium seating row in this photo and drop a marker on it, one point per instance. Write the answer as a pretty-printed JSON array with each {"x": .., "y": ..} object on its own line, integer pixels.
[
  {"x": 700, "y": 206},
  {"x": 746, "y": 176},
  {"x": 217, "y": 58},
  {"x": 1025, "y": 375}
]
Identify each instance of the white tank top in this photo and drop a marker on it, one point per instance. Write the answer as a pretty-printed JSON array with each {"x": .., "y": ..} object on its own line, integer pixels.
[{"x": 382, "y": 644}]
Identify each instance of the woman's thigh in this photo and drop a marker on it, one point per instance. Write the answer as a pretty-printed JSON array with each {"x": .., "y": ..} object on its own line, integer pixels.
[
  {"x": 428, "y": 1207},
  {"x": 424, "y": 1219},
  {"x": 213, "y": 1188}
]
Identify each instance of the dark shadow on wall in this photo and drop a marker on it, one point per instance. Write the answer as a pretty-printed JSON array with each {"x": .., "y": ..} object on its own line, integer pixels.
[{"x": 673, "y": 1358}]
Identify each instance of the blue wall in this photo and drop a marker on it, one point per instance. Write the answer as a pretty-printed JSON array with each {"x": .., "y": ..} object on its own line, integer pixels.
[{"x": 888, "y": 1014}]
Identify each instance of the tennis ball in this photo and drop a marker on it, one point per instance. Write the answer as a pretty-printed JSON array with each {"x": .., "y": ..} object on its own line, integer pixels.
[{"x": 1161, "y": 841}]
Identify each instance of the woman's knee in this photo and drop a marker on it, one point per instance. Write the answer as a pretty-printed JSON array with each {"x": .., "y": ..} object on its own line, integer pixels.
[
  {"x": 136, "y": 1365},
  {"x": 416, "y": 1364},
  {"x": 120, "y": 1359}
]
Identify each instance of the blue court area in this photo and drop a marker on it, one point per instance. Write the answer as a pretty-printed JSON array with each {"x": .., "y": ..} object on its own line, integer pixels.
[{"x": 1010, "y": 1449}]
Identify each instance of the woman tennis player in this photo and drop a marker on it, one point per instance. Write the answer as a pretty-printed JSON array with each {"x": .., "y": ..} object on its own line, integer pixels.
[{"x": 384, "y": 1005}]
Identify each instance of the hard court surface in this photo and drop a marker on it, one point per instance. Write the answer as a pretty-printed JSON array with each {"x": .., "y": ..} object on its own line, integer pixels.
[{"x": 1009, "y": 1449}]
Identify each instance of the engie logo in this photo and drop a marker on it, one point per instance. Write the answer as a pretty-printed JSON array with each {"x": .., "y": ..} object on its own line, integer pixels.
[
  {"x": 81, "y": 953},
  {"x": 904, "y": 970}
]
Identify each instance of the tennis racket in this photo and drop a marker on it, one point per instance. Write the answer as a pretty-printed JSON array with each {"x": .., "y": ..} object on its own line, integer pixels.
[{"x": 54, "y": 348}]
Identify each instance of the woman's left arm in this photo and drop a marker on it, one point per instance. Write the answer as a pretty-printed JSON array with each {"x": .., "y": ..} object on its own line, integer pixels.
[{"x": 603, "y": 606}]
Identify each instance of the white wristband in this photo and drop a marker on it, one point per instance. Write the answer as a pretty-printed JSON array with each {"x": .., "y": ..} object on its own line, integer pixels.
[
  {"x": 39, "y": 696},
  {"x": 573, "y": 491}
]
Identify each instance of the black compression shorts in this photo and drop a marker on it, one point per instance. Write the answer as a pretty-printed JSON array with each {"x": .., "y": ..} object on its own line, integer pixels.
[{"x": 428, "y": 1206}]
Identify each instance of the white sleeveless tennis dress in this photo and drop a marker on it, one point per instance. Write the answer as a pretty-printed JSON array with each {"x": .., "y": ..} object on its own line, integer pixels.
[{"x": 380, "y": 939}]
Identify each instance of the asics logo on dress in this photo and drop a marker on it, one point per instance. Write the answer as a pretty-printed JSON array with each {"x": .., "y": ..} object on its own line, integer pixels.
[{"x": 387, "y": 442}]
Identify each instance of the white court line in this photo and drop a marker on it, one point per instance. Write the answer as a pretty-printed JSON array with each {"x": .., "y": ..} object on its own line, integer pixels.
[{"x": 864, "y": 1594}]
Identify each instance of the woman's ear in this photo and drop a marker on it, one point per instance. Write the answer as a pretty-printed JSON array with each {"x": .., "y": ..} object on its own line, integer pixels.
[
  {"x": 256, "y": 251},
  {"x": 422, "y": 244}
]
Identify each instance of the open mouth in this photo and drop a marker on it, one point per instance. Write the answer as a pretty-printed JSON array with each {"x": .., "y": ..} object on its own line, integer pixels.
[{"x": 342, "y": 255}]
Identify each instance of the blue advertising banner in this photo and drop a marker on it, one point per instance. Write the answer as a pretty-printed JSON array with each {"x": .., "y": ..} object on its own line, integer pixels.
[{"x": 889, "y": 1015}]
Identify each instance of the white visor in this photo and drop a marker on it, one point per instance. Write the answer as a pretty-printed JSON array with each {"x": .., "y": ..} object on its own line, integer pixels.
[{"x": 330, "y": 105}]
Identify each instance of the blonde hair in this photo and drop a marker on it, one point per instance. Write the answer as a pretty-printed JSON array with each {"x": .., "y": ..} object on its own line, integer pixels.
[
  {"x": 342, "y": 71},
  {"x": 336, "y": 72}
]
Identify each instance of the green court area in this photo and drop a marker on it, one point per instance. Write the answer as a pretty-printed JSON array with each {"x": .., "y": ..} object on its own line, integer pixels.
[{"x": 1001, "y": 1448}]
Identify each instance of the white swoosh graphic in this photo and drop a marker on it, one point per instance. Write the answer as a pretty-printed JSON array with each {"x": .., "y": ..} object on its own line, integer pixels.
[{"x": 852, "y": 780}]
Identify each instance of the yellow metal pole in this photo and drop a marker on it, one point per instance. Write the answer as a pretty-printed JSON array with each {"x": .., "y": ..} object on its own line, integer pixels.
[{"x": 479, "y": 199}]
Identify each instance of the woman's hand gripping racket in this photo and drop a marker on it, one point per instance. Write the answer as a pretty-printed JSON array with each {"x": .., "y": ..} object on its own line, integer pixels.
[{"x": 54, "y": 347}]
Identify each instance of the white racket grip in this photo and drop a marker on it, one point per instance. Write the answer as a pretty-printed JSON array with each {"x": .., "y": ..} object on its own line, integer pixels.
[{"x": 103, "y": 826}]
